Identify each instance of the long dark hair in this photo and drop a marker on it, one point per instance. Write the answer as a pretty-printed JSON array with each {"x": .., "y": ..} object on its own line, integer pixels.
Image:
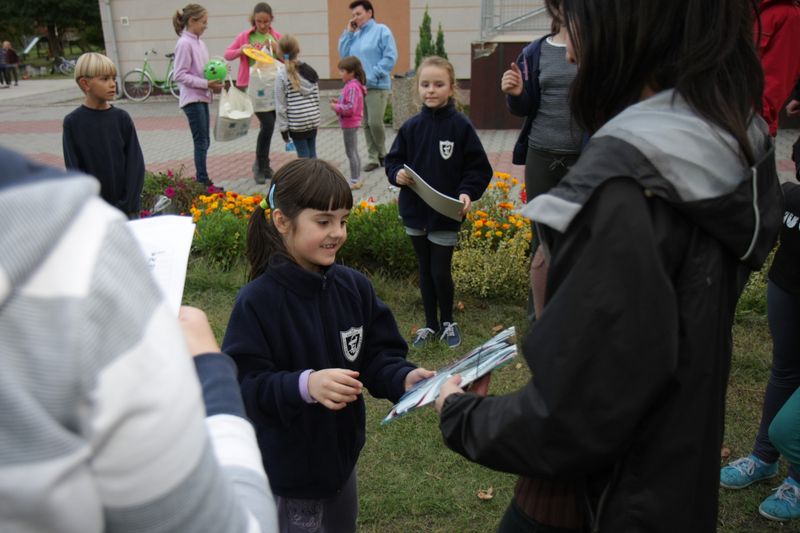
[
  {"x": 703, "y": 49},
  {"x": 299, "y": 184}
]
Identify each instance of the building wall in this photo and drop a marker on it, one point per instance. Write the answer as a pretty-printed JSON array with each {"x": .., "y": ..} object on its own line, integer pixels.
[{"x": 141, "y": 25}]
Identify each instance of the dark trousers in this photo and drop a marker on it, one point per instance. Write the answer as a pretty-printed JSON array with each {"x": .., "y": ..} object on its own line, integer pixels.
[
  {"x": 515, "y": 521},
  {"x": 267, "y": 121},
  {"x": 543, "y": 171},
  {"x": 783, "y": 314},
  {"x": 435, "y": 280},
  {"x": 199, "y": 124},
  {"x": 336, "y": 514}
]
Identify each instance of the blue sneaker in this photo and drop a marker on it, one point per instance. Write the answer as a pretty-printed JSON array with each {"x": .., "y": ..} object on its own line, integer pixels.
[
  {"x": 784, "y": 504},
  {"x": 451, "y": 334},
  {"x": 424, "y": 336},
  {"x": 744, "y": 472}
]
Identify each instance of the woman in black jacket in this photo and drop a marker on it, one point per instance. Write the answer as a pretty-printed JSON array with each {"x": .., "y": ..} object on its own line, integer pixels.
[{"x": 650, "y": 238}]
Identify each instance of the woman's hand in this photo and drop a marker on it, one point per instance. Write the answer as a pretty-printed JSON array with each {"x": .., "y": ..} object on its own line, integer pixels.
[
  {"x": 334, "y": 387},
  {"x": 511, "y": 83},
  {"x": 452, "y": 386},
  {"x": 402, "y": 178},
  {"x": 417, "y": 375},
  {"x": 216, "y": 85},
  {"x": 467, "y": 203}
]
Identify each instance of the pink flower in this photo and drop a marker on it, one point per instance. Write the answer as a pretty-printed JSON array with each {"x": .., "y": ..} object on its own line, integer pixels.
[
  {"x": 144, "y": 213},
  {"x": 169, "y": 173},
  {"x": 169, "y": 192}
]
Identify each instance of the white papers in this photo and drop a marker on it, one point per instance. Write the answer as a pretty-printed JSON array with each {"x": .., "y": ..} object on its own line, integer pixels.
[
  {"x": 492, "y": 354},
  {"x": 449, "y": 207},
  {"x": 166, "y": 242}
]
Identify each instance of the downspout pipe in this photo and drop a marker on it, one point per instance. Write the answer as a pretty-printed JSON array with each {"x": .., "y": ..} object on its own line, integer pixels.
[{"x": 111, "y": 43}]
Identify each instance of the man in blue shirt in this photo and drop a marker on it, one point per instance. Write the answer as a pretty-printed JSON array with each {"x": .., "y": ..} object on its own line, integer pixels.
[{"x": 374, "y": 45}]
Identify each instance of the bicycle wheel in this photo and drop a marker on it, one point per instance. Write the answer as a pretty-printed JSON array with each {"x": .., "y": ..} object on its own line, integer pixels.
[
  {"x": 174, "y": 88},
  {"x": 64, "y": 67},
  {"x": 137, "y": 85}
]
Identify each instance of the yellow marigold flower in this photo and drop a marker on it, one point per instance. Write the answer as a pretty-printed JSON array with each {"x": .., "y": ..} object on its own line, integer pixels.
[
  {"x": 528, "y": 236},
  {"x": 502, "y": 175},
  {"x": 490, "y": 186},
  {"x": 519, "y": 224},
  {"x": 498, "y": 233},
  {"x": 506, "y": 226},
  {"x": 479, "y": 223},
  {"x": 476, "y": 234},
  {"x": 237, "y": 211},
  {"x": 505, "y": 205},
  {"x": 514, "y": 181},
  {"x": 488, "y": 235},
  {"x": 482, "y": 214}
]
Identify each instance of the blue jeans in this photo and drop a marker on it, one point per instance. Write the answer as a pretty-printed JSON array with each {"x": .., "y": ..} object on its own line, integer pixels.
[
  {"x": 307, "y": 147},
  {"x": 199, "y": 120}
]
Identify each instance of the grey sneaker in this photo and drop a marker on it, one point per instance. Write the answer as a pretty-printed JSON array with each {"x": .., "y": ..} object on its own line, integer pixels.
[
  {"x": 423, "y": 337},
  {"x": 451, "y": 334}
]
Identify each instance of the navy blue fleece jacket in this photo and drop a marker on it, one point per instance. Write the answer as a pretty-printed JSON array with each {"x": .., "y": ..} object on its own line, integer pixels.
[
  {"x": 286, "y": 321},
  {"x": 441, "y": 146}
]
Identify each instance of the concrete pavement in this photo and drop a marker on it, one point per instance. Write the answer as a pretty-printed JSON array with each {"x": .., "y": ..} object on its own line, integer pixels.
[{"x": 31, "y": 115}]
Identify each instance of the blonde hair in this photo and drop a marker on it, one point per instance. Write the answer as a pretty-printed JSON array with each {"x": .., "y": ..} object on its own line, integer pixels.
[
  {"x": 190, "y": 12},
  {"x": 290, "y": 47},
  {"x": 447, "y": 66},
  {"x": 92, "y": 64}
]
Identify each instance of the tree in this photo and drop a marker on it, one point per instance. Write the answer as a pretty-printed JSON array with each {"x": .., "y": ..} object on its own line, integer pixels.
[
  {"x": 425, "y": 46},
  {"x": 440, "y": 42},
  {"x": 54, "y": 16}
]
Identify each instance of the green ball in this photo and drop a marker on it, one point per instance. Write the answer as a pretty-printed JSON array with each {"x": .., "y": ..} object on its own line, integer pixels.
[{"x": 215, "y": 70}]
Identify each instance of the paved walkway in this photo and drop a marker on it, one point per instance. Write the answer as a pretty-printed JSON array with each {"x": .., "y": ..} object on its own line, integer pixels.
[{"x": 31, "y": 116}]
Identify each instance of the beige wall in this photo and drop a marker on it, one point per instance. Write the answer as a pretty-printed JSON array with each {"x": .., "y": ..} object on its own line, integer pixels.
[{"x": 149, "y": 26}]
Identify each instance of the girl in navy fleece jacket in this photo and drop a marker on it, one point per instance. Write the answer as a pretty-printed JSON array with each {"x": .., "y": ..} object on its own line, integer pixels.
[
  {"x": 439, "y": 144},
  {"x": 307, "y": 335}
]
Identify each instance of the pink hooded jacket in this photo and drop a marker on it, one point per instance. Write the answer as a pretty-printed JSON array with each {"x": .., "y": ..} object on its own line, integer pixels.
[
  {"x": 350, "y": 105},
  {"x": 233, "y": 51}
]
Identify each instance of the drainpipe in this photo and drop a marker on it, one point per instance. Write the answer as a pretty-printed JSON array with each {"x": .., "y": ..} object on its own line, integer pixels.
[{"x": 111, "y": 44}]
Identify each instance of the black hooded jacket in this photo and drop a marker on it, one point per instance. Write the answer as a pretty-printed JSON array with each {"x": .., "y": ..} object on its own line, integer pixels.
[{"x": 651, "y": 236}]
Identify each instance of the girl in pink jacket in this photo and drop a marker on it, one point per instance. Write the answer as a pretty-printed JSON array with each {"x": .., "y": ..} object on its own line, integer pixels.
[
  {"x": 261, "y": 36},
  {"x": 349, "y": 107}
]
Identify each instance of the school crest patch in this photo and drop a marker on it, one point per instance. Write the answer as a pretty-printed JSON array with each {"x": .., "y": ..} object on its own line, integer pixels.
[
  {"x": 351, "y": 342},
  {"x": 446, "y": 149}
]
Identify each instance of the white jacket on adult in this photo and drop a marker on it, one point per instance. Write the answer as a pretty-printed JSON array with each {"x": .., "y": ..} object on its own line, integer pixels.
[{"x": 103, "y": 423}]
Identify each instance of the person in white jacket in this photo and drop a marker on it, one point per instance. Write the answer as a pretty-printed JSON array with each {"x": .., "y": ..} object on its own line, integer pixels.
[{"x": 104, "y": 425}]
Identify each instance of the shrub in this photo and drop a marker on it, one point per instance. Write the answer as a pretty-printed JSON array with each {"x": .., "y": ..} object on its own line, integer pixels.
[
  {"x": 221, "y": 232},
  {"x": 488, "y": 269},
  {"x": 377, "y": 241},
  {"x": 179, "y": 189},
  {"x": 220, "y": 238}
]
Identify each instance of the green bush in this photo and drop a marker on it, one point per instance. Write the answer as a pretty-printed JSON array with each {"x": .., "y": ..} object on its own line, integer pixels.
[
  {"x": 220, "y": 238},
  {"x": 495, "y": 270},
  {"x": 376, "y": 241},
  {"x": 175, "y": 186}
]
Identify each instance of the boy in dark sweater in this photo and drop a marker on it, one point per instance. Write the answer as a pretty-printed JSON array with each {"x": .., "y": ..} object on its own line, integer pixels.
[{"x": 100, "y": 139}]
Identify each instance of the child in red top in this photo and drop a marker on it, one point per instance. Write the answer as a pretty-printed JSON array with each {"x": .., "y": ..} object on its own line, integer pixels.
[{"x": 350, "y": 109}]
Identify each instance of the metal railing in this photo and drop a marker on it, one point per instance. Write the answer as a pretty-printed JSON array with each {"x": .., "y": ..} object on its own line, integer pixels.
[{"x": 502, "y": 17}]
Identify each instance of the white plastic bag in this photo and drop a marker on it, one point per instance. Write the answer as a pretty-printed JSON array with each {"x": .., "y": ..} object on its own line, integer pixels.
[
  {"x": 235, "y": 114},
  {"x": 261, "y": 88}
]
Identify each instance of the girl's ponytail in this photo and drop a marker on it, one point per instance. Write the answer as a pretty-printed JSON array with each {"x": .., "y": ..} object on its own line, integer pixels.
[
  {"x": 263, "y": 241},
  {"x": 290, "y": 48},
  {"x": 181, "y": 18}
]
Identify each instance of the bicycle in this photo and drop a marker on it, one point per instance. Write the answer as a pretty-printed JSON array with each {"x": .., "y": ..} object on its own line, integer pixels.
[
  {"x": 137, "y": 84},
  {"x": 63, "y": 65}
]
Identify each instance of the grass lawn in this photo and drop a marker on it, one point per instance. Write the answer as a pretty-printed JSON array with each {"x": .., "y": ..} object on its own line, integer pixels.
[{"x": 408, "y": 479}]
